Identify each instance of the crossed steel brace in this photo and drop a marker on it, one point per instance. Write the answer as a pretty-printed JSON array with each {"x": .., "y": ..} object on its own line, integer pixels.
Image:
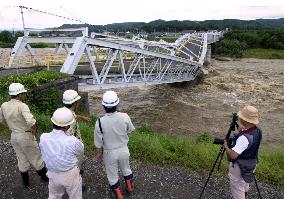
[{"x": 150, "y": 62}]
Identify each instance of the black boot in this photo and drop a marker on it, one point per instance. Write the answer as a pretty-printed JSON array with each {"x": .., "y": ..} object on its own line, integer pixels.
[
  {"x": 26, "y": 179},
  {"x": 42, "y": 174}
]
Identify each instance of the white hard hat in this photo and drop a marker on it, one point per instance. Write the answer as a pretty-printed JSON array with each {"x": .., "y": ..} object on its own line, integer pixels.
[
  {"x": 62, "y": 117},
  {"x": 16, "y": 88},
  {"x": 70, "y": 96},
  {"x": 110, "y": 99}
]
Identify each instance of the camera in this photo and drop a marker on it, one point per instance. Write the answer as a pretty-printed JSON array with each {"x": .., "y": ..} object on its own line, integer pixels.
[
  {"x": 233, "y": 126},
  {"x": 221, "y": 141}
]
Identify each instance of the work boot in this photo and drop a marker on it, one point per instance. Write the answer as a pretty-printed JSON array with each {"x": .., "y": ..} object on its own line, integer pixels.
[
  {"x": 42, "y": 174},
  {"x": 129, "y": 183},
  {"x": 26, "y": 179},
  {"x": 116, "y": 192}
]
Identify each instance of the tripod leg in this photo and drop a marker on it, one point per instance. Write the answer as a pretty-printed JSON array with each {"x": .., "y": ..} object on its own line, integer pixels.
[
  {"x": 220, "y": 152},
  {"x": 257, "y": 188},
  {"x": 221, "y": 159}
]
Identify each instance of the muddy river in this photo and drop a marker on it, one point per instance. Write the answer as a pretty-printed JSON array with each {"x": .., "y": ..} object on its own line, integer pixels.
[{"x": 190, "y": 110}]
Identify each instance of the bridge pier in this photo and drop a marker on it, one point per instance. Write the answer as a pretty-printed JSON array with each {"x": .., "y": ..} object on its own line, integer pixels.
[{"x": 208, "y": 55}]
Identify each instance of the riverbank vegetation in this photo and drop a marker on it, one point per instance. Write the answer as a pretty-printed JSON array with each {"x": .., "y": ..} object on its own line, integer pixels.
[
  {"x": 267, "y": 44},
  {"x": 145, "y": 145},
  {"x": 264, "y": 53}
]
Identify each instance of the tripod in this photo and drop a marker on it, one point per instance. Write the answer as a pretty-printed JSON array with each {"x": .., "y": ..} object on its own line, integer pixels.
[{"x": 219, "y": 158}]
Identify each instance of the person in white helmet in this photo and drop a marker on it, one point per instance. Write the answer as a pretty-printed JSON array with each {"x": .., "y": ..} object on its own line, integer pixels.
[
  {"x": 16, "y": 115},
  {"x": 60, "y": 152},
  {"x": 111, "y": 139},
  {"x": 70, "y": 100}
]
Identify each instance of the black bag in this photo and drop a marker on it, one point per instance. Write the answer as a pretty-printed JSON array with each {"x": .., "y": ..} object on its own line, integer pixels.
[{"x": 247, "y": 167}]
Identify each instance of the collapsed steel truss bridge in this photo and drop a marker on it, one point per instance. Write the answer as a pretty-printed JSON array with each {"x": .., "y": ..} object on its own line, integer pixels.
[{"x": 126, "y": 62}]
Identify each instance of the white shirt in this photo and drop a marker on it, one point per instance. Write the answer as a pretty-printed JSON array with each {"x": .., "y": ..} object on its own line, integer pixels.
[
  {"x": 116, "y": 127},
  {"x": 59, "y": 150},
  {"x": 241, "y": 144}
]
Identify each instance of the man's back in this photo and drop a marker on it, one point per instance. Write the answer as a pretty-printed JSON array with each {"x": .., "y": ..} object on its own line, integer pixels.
[
  {"x": 17, "y": 116},
  {"x": 115, "y": 128},
  {"x": 60, "y": 151}
]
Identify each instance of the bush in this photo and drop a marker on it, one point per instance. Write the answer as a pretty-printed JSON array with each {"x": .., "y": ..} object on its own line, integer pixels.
[
  {"x": 49, "y": 101},
  {"x": 39, "y": 45},
  {"x": 233, "y": 48},
  {"x": 29, "y": 80},
  {"x": 6, "y": 36},
  {"x": 6, "y": 45},
  {"x": 273, "y": 39}
]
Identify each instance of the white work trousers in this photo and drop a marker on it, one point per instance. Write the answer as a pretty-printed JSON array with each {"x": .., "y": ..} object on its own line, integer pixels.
[
  {"x": 114, "y": 159},
  {"x": 69, "y": 181},
  {"x": 237, "y": 184},
  {"x": 27, "y": 151}
]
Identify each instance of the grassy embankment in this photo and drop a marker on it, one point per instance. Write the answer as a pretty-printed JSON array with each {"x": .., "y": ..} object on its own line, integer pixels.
[
  {"x": 264, "y": 53},
  {"x": 145, "y": 145}
]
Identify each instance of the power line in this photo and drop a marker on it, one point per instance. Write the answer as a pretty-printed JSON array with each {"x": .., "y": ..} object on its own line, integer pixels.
[
  {"x": 75, "y": 17},
  {"x": 55, "y": 15}
]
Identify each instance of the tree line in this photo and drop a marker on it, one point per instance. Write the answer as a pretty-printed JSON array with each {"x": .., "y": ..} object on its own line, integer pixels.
[{"x": 178, "y": 26}]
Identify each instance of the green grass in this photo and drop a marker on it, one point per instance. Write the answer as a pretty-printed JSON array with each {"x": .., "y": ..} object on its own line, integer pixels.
[
  {"x": 167, "y": 39},
  {"x": 193, "y": 155},
  {"x": 196, "y": 155},
  {"x": 264, "y": 53}
]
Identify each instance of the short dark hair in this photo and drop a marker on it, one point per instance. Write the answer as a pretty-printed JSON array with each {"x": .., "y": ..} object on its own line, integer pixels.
[
  {"x": 57, "y": 127},
  {"x": 110, "y": 109},
  {"x": 70, "y": 105},
  {"x": 15, "y": 96}
]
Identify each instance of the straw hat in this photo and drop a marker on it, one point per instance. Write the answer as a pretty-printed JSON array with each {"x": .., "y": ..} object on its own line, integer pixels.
[{"x": 249, "y": 114}]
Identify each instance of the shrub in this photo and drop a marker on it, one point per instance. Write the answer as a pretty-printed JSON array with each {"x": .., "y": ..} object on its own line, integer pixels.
[
  {"x": 233, "y": 48},
  {"x": 39, "y": 45},
  {"x": 49, "y": 101}
]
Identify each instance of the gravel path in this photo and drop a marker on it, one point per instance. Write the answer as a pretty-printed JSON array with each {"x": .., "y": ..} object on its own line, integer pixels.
[{"x": 150, "y": 182}]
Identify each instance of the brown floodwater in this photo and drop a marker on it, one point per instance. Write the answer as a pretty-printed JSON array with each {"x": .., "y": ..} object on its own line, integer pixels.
[{"x": 190, "y": 110}]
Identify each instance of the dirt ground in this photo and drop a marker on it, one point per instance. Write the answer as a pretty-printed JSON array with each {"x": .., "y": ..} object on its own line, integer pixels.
[{"x": 188, "y": 110}]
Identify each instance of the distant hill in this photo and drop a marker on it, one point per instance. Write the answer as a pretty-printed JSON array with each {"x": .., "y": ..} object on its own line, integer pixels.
[{"x": 176, "y": 26}]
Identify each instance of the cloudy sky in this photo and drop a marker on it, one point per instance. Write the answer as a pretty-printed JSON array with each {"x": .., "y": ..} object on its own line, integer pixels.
[{"x": 112, "y": 11}]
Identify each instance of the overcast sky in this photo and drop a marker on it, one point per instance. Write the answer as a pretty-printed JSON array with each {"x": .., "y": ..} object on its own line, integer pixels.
[{"x": 112, "y": 11}]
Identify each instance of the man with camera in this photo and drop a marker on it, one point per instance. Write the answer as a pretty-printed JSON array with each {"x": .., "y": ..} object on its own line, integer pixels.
[{"x": 243, "y": 152}]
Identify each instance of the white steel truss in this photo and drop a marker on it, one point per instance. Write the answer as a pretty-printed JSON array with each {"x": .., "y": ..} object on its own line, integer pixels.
[{"x": 149, "y": 63}]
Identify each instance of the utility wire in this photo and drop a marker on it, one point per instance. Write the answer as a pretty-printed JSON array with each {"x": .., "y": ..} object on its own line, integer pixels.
[
  {"x": 75, "y": 17},
  {"x": 55, "y": 15}
]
